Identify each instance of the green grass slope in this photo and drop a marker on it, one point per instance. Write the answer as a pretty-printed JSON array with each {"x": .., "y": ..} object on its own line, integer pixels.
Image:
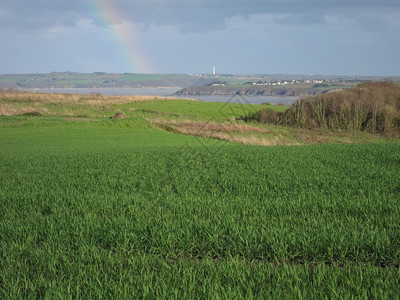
[{"x": 88, "y": 138}]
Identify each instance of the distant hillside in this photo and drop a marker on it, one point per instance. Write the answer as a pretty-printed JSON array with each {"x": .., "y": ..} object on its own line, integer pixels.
[{"x": 100, "y": 80}]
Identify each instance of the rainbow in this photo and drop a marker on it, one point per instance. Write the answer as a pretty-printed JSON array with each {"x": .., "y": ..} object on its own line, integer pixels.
[{"x": 124, "y": 33}]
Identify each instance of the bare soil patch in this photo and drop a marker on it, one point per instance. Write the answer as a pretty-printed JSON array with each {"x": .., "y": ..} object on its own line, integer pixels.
[{"x": 118, "y": 115}]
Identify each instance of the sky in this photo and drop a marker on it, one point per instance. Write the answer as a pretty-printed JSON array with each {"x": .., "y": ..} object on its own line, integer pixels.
[{"x": 318, "y": 37}]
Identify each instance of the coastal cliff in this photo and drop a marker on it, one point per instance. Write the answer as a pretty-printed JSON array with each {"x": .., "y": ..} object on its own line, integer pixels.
[{"x": 250, "y": 91}]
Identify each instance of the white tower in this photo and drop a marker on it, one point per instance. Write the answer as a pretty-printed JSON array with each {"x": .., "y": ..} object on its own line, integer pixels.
[{"x": 213, "y": 71}]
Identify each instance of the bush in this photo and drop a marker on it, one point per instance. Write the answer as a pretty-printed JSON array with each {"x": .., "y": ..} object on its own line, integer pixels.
[{"x": 371, "y": 106}]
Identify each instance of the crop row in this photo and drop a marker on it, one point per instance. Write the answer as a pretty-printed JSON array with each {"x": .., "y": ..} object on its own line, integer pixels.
[{"x": 93, "y": 220}]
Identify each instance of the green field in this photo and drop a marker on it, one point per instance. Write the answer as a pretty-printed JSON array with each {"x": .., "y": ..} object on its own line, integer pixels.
[{"x": 117, "y": 209}]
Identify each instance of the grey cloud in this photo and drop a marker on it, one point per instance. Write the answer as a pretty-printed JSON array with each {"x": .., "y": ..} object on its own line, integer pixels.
[
  {"x": 302, "y": 19},
  {"x": 188, "y": 16},
  {"x": 371, "y": 22}
]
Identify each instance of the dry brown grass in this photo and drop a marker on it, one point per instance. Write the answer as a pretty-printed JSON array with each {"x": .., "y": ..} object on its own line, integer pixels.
[
  {"x": 12, "y": 110},
  {"x": 253, "y": 135},
  {"x": 21, "y": 102},
  {"x": 234, "y": 132},
  {"x": 188, "y": 126},
  {"x": 88, "y": 99},
  {"x": 322, "y": 136}
]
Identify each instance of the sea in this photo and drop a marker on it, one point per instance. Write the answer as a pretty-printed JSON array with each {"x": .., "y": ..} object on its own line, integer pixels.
[{"x": 170, "y": 91}]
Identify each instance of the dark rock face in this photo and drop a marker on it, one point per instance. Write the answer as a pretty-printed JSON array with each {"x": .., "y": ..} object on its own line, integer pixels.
[{"x": 248, "y": 91}]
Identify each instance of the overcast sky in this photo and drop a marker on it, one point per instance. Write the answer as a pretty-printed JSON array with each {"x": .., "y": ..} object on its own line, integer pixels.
[{"x": 341, "y": 37}]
